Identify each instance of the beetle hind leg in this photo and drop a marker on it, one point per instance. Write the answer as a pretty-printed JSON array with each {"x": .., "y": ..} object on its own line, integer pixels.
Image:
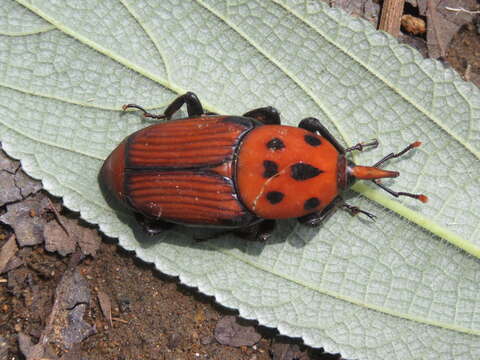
[
  {"x": 145, "y": 112},
  {"x": 194, "y": 107}
]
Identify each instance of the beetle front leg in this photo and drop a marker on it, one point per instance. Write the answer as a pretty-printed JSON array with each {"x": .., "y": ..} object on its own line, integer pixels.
[
  {"x": 266, "y": 115},
  {"x": 314, "y": 125}
]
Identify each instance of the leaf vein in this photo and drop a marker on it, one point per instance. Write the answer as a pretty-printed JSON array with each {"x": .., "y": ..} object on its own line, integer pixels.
[{"x": 382, "y": 78}]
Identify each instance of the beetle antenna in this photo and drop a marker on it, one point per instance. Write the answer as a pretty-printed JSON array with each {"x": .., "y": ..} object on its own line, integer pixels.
[
  {"x": 145, "y": 112},
  {"x": 393, "y": 155},
  {"x": 421, "y": 197}
]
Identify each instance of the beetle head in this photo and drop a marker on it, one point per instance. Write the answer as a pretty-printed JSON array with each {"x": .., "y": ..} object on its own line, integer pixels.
[{"x": 374, "y": 173}]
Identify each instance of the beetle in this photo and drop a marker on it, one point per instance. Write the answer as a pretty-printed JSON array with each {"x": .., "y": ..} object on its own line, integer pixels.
[{"x": 240, "y": 173}]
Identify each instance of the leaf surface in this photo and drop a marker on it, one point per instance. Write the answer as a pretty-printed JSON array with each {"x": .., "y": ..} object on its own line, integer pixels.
[{"x": 404, "y": 287}]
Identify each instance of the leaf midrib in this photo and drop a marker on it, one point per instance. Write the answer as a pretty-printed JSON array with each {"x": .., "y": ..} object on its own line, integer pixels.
[{"x": 343, "y": 297}]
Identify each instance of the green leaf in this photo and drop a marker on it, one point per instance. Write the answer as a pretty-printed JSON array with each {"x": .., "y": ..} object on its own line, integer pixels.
[{"x": 404, "y": 287}]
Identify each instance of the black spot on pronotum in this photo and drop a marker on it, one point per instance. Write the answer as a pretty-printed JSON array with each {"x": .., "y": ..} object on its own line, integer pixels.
[
  {"x": 271, "y": 168},
  {"x": 301, "y": 171},
  {"x": 312, "y": 140},
  {"x": 311, "y": 203},
  {"x": 275, "y": 144},
  {"x": 274, "y": 197}
]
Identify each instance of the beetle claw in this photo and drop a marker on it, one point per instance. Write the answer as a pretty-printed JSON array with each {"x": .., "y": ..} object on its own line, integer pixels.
[{"x": 354, "y": 210}]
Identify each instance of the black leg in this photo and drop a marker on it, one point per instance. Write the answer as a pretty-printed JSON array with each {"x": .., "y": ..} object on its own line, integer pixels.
[
  {"x": 354, "y": 210},
  {"x": 153, "y": 226},
  {"x": 362, "y": 145},
  {"x": 267, "y": 115},
  {"x": 316, "y": 218},
  {"x": 194, "y": 107},
  {"x": 259, "y": 232},
  {"x": 314, "y": 125}
]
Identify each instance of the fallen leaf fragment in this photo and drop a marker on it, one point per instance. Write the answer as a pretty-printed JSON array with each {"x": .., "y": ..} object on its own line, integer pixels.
[
  {"x": 76, "y": 328},
  {"x": 366, "y": 9},
  {"x": 8, "y": 164},
  {"x": 10, "y": 191},
  {"x": 88, "y": 240},
  {"x": 443, "y": 24},
  {"x": 7, "y": 252},
  {"x": 282, "y": 351},
  {"x": 65, "y": 236},
  {"x": 105, "y": 306},
  {"x": 26, "y": 184},
  {"x": 73, "y": 354},
  {"x": 65, "y": 326},
  {"x": 56, "y": 239},
  {"x": 3, "y": 349},
  {"x": 14, "y": 263},
  {"x": 229, "y": 332},
  {"x": 28, "y": 349},
  {"x": 24, "y": 217}
]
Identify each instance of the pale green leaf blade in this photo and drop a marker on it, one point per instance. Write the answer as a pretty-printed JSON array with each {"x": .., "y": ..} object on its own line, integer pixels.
[{"x": 388, "y": 289}]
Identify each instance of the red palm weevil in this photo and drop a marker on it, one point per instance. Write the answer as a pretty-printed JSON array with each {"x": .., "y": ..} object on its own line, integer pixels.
[{"x": 235, "y": 172}]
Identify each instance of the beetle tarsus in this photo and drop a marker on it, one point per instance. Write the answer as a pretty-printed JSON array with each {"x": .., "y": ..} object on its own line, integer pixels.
[
  {"x": 354, "y": 210},
  {"x": 145, "y": 112},
  {"x": 361, "y": 146}
]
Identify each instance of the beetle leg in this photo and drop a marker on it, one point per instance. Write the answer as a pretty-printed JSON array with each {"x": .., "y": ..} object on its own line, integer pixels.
[
  {"x": 314, "y": 125},
  {"x": 259, "y": 232},
  {"x": 316, "y": 218},
  {"x": 151, "y": 226},
  {"x": 267, "y": 115},
  {"x": 362, "y": 145},
  {"x": 194, "y": 106},
  {"x": 354, "y": 210},
  {"x": 145, "y": 112}
]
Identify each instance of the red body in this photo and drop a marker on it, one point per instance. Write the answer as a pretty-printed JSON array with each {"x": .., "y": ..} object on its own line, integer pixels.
[{"x": 224, "y": 171}]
